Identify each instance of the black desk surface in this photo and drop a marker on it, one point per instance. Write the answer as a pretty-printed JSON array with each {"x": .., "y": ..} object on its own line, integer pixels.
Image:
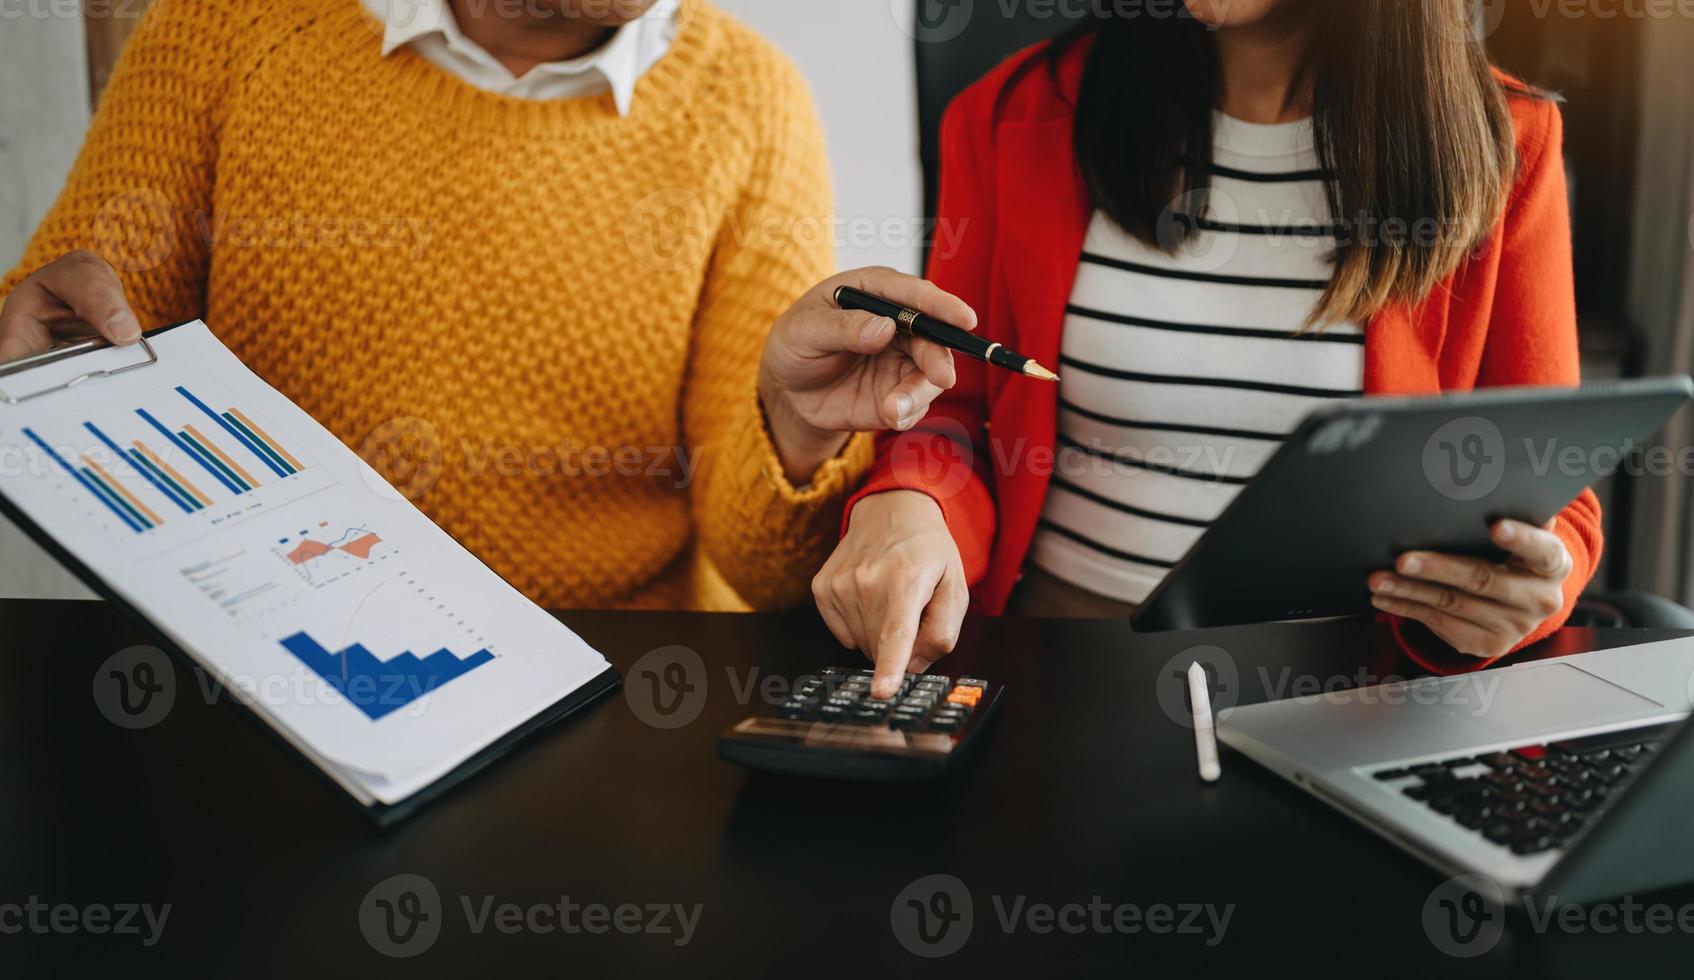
[{"x": 1085, "y": 792}]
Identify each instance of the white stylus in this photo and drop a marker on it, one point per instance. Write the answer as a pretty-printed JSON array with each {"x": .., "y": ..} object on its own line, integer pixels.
[{"x": 1205, "y": 733}]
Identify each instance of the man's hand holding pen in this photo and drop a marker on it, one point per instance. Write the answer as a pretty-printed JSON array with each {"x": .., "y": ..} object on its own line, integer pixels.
[{"x": 828, "y": 372}]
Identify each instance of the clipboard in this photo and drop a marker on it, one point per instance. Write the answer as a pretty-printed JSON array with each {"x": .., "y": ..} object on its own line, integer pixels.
[
  {"x": 383, "y": 815},
  {"x": 65, "y": 352}
]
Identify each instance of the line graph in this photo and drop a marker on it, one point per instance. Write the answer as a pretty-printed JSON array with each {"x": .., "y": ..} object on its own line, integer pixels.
[{"x": 320, "y": 555}]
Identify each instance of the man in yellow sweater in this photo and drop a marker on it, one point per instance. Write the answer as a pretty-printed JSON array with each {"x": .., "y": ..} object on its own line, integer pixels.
[{"x": 551, "y": 267}]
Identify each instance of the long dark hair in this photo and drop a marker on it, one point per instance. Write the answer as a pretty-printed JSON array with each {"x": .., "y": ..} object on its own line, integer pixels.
[{"x": 1411, "y": 124}]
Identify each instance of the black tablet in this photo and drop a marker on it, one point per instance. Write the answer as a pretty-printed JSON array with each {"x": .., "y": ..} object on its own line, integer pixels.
[{"x": 1360, "y": 483}]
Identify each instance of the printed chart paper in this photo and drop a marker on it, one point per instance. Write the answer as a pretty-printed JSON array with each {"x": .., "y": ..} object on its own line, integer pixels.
[{"x": 285, "y": 566}]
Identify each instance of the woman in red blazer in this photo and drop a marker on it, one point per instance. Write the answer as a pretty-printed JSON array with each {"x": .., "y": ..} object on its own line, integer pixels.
[{"x": 1149, "y": 147}]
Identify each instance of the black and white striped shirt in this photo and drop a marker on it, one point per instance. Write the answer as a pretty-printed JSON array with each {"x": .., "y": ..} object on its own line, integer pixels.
[{"x": 1182, "y": 374}]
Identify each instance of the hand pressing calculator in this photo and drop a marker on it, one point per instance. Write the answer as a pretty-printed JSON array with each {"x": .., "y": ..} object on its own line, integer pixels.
[{"x": 831, "y": 726}]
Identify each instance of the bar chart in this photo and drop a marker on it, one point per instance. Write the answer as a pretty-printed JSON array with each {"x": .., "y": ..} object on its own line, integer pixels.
[
  {"x": 378, "y": 687},
  {"x": 384, "y": 639},
  {"x": 175, "y": 455},
  {"x": 344, "y": 603}
]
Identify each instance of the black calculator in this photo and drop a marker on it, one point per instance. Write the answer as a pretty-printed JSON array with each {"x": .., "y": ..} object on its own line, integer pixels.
[{"x": 831, "y": 726}]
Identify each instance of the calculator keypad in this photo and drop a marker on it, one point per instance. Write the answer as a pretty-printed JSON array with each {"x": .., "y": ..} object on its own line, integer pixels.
[
  {"x": 831, "y": 725},
  {"x": 924, "y": 703}
]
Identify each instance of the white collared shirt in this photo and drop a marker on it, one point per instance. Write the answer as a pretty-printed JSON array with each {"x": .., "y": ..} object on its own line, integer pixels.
[{"x": 429, "y": 28}]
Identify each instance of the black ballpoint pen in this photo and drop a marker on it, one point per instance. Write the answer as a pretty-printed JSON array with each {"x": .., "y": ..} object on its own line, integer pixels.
[{"x": 911, "y": 322}]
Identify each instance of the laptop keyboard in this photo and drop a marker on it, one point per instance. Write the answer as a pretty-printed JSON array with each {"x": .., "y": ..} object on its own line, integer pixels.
[{"x": 1529, "y": 799}]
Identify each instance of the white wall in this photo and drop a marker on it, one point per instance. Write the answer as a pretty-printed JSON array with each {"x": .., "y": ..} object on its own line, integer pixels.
[
  {"x": 858, "y": 57},
  {"x": 43, "y": 112}
]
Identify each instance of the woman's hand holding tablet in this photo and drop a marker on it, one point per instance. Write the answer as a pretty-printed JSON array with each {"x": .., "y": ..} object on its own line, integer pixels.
[{"x": 1482, "y": 608}]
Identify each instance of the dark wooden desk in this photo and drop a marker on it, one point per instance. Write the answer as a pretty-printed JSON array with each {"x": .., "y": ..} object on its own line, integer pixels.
[{"x": 1085, "y": 793}]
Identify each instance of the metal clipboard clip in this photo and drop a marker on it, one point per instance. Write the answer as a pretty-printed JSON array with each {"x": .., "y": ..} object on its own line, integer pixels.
[{"x": 46, "y": 357}]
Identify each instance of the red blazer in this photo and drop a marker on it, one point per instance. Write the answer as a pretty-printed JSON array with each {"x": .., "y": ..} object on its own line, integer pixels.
[{"x": 1016, "y": 208}]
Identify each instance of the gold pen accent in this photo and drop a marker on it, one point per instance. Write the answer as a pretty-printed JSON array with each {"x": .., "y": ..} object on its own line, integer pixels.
[{"x": 1034, "y": 370}]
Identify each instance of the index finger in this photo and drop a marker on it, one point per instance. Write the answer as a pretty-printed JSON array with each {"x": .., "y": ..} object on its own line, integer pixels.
[
  {"x": 919, "y": 294},
  {"x": 896, "y": 637},
  {"x": 1539, "y": 549}
]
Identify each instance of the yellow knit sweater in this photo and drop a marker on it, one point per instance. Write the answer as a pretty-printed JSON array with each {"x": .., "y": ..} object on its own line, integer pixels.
[{"x": 540, "y": 319}]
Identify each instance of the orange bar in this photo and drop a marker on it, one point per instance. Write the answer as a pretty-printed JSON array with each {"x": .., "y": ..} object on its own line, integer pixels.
[
  {"x": 219, "y": 453},
  {"x": 181, "y": 481},
  {"x": 138, "y": 505},
  {"x": 262, "y": 434}
]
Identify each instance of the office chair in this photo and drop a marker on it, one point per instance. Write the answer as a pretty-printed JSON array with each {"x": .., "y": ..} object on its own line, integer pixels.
[{"x": 958, "y": 41}]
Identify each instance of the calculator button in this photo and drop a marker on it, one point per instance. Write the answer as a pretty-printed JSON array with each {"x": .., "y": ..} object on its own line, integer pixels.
[
  {"x": 943, "y": 723},
  {"x": 833, "y": 712},
  {"x": 794, "y": 709},
  {"x": 865, "y": 715},
  {"x": 963, "y": 699},
  {"x": 980, "y": 685},
  {"x": 905, "y": 721}
]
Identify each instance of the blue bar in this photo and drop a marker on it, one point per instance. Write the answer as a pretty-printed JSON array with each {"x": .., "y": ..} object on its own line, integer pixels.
[
  {"x": 144, "y": 471},
  {"x": 128, "y": 508},
  {"x": 212, "y": 459},
  {"x": 378, "y": 687},
  {"x": 178, "y": 443},
  {"x": 188, "y": 504},
  {"x": 232, "y": 430},
  {"x": 254, "y": 436},
  {"x": 86, "y": 485}
]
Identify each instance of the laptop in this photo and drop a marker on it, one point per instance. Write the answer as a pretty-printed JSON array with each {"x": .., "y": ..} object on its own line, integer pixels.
[{"x": 1568, "y": 779}]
